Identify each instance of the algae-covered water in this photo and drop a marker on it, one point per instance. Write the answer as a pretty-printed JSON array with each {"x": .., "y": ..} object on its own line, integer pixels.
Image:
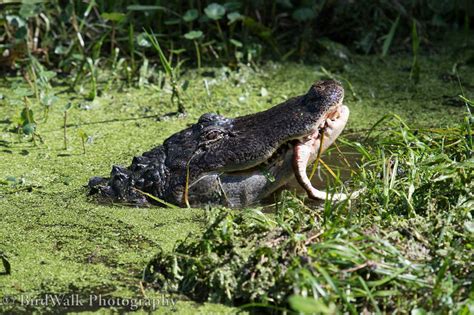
[{"x": 58, "y": 240}]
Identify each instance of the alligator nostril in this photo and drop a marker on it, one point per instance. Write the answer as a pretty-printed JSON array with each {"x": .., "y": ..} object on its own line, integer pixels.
[
  {"x": 94, "y": 181},
  {"x": 117, "y": 170},
  {"x": 140, "y": 183}
]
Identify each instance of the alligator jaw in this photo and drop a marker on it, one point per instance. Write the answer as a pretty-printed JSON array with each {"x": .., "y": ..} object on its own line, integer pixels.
[
  {"x": 305, "y": 152},
  {"x": 250, "y": 185}
]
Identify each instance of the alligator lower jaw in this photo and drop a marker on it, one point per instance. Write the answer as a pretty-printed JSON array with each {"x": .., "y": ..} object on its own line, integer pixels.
[{"x": 306, "y": 151}]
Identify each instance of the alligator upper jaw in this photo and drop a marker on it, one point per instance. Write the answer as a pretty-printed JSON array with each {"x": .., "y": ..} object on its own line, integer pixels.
[
  {"x": 333, "y": 114},
  {"x": 331, "y": 126}
]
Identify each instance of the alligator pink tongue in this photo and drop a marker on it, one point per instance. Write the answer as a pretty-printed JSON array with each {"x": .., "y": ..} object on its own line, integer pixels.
[
  {"x": 305, "y": 152},
  {"x": 301, "y": 158}
]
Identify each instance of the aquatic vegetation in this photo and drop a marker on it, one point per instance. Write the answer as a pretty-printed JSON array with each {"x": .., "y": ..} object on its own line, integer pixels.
[
  {"x": 65, "y": 111},
  {"x": 415, "y": 67},
  {"x": 107, "y": 246},
  {"x": 195, "y": 36},
  {"x": 84, "y": 137},
  {"x": 172, "y": 73},
  {"x": 404, "y": 244},
  {"x": 67, "y": 33},
  {"x": 25, "y": 121}
]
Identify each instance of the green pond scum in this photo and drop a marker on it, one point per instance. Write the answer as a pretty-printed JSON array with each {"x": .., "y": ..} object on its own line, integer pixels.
[{"x": 405, "y": 244}]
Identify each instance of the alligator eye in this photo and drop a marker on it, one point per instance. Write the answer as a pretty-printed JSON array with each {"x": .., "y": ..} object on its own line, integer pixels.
[{"x": 213, "y": 135}]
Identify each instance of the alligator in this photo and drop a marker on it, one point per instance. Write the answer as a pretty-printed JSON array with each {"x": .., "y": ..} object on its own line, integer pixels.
[{"x": 235, "y": 162}]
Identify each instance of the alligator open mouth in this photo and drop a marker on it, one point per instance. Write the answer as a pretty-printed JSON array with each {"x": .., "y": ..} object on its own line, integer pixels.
[
  {"x": 301, "y": 152},
  {"x": 306, "y": 151}
]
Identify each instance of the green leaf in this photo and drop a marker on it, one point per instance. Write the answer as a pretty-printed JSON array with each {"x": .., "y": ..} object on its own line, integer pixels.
[
  {"x": 139, "y": 7},
  {"x": 22, "y": 92},
  {"x": 15, "y": 21},
  {"x": 142, "y": 40},
  {"x": 48, "y": 100},
  {"x": 190, "y": 15},
  {"x": 215, "y": 11},
  {"x": 258, "y": 28},
  {"x": 193, "y": 35},
  {"x": 309, "y": 305},
  {"x": 236, "y": 43},
  {"x": 67, "y": 106},
  {"x": 389, "y": 38},
  {"x": 21, "y": 33},
  {"x": 60, "y": 50},
  {"x": 234, "y": 16},
  {"x": 48, "y": 75},
  {"x": 285, "y": 3},
  {"x": 113, "y": 16},
  {"x": 29, "y": 128},
  {"x": 173, "y": 22},
  {"x": 27, "y": 10},
  {"x": 82, "y": 134},
  {"x": 303, "y": 14},
  {"x": 418, "y": 311},
  {"x": 232, "y": 5},
  {"x": 170, "y": 205},
  {"x": 469, "y": 226},
  {"x": 27, "y": 116},
  {"x": 185, "y": 85},
  {"x": 336, "y": 49}
]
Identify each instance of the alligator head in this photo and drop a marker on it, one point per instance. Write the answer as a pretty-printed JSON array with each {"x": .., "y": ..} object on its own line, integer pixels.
[{"x": 235, "y": 161}]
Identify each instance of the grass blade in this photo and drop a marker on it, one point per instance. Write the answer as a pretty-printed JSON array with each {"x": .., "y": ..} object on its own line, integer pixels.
[{"x": 389, "y": 37}]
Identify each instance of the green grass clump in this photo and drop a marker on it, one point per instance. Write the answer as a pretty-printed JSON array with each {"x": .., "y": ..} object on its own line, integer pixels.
[
  {"x": 404, "y": 245},
  {"x": 83, "y": 38}
]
